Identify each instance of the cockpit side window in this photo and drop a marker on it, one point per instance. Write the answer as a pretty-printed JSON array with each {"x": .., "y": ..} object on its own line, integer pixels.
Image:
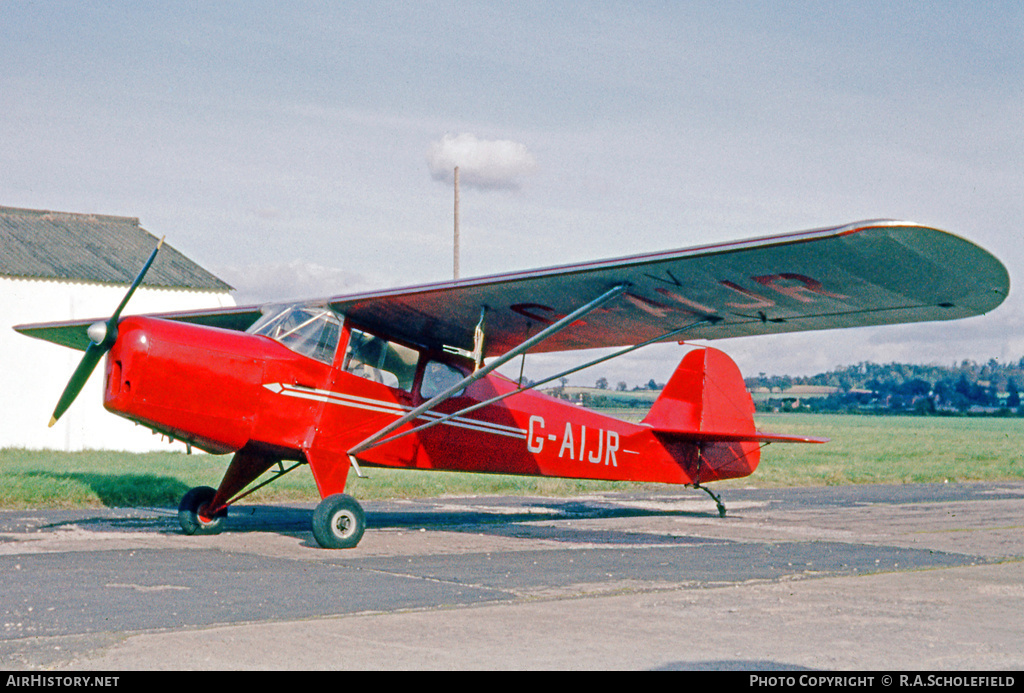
[
  {"x": 438, "y": 377},
  {"x": 310, "y": 331},
  {"x": 381, "y": 361}
]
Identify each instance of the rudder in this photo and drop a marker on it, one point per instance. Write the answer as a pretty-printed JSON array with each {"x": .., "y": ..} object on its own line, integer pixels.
[
  {"x": 705, "y": 418},
  {"x": 705, "y": 398}
]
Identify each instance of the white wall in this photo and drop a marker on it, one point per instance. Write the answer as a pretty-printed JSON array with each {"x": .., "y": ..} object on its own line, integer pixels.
[{"x": 33, "y": 373}]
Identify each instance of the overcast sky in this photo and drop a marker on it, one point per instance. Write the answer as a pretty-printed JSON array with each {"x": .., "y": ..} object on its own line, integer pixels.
[{"x": 301, "y": 148}]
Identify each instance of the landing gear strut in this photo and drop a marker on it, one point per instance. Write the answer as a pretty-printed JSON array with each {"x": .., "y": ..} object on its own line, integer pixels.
[
  {"x": 696, "y": 484},
  {"x": 338, "y": 521},
  {"x": 716, "y": 497}
]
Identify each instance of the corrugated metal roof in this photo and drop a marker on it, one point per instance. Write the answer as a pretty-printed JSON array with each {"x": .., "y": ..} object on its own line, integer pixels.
[{"x": 94, "y": 248}]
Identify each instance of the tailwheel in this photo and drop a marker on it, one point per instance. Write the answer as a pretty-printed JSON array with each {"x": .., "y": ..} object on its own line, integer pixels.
[
  {"x": 190, "y": 514},
  {"x": 714, "y": 496},
  {"x": 338, "y": 522}
]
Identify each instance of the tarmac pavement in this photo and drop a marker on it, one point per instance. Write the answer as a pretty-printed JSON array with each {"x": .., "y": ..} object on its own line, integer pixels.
[{"x": 913, "y": 577}]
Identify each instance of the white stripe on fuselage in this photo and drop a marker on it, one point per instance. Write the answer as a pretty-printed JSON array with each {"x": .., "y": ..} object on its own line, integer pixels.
[{"x": 385, "y": 407}]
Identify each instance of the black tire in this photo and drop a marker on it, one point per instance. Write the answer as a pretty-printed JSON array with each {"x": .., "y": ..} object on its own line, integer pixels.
[
  {"x": 188, "y": 512},
  {"x": 338, "y": 522}
]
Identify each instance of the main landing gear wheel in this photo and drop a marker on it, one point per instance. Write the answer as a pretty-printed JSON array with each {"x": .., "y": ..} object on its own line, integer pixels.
[
  {"x": 192, "y": 522},
  {"x": 338, "y": 522}
]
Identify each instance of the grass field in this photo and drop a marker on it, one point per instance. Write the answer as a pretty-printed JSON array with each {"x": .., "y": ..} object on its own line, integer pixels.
[
  {"x": 863, "y": 449},
  {"x": 891, "y": 449}
]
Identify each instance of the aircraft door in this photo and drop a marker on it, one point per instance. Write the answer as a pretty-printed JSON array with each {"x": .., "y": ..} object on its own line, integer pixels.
[
  {"x": 297, "y": 381},
  {"x": 372, "y": 385}
]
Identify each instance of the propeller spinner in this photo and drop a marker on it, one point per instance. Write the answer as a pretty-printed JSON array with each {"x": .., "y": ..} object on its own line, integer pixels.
[{"x": 102, "y": 336}]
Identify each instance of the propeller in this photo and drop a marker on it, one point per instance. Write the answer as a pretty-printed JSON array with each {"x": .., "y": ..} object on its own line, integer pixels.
[{"x": 102, "y": 336}]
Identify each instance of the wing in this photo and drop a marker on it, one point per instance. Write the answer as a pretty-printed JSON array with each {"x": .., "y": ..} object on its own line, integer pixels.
[
  {"x": 870, "y": 273},
  {"x": 72, "y": 333}
]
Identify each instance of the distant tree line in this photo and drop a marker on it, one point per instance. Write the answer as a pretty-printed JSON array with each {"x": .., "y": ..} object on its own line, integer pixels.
[{"x": 970, "y": 387}]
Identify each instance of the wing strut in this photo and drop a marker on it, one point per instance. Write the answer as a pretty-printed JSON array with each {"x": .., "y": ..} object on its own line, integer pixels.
[
  {"x": 493, "y": 400},
  {"x": 552, "y": 329}
]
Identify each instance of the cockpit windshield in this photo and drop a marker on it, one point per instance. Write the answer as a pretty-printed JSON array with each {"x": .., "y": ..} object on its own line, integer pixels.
[{"x": 309, "y": 330}]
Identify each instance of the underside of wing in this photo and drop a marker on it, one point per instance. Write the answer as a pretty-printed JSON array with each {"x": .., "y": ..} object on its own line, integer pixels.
[{"x": 870, "y": 273}]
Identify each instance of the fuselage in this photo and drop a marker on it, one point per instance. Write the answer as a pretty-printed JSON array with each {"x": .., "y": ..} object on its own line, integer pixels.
[{"x": 311, "y": 387}]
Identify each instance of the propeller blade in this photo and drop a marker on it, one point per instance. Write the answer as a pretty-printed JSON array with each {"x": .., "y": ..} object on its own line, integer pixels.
[
  {"x": 93, "y": 354},
  {"x": 134, "y": 286},
  {"x": 95, "y": 351}
]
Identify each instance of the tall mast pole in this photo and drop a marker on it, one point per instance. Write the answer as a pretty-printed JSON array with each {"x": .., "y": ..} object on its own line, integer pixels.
[{"x": 455, "y": 263}]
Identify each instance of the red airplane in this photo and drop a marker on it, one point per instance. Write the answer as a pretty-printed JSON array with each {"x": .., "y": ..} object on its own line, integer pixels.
[{"x": 405, "y": 378}]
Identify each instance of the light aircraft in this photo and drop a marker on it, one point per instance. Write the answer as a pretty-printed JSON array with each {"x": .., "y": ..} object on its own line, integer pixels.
[{"x": 405, "y": 378}]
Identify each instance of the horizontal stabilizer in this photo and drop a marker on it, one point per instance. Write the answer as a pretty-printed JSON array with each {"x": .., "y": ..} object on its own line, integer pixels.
[{"x": 756, "y": 437}]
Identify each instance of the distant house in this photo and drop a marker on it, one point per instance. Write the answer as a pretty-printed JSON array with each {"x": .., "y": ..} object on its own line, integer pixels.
[{"x": 61, "y": 266}]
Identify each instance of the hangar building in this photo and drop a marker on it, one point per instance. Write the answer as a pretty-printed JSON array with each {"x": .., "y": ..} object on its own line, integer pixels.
[{"x": 62, "y": 266}]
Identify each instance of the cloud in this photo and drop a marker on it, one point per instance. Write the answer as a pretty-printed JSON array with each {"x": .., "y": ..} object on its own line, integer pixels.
[
  {"x": 295, "y": 280},
  {"x": 484, "y": 164}
]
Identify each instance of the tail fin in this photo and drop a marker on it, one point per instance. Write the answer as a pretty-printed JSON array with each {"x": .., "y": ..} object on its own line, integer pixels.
[
  {"x": 705, "y": 419},
  {"x": 706, "y": 394},
  {"x": 707, "y": 400}
]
